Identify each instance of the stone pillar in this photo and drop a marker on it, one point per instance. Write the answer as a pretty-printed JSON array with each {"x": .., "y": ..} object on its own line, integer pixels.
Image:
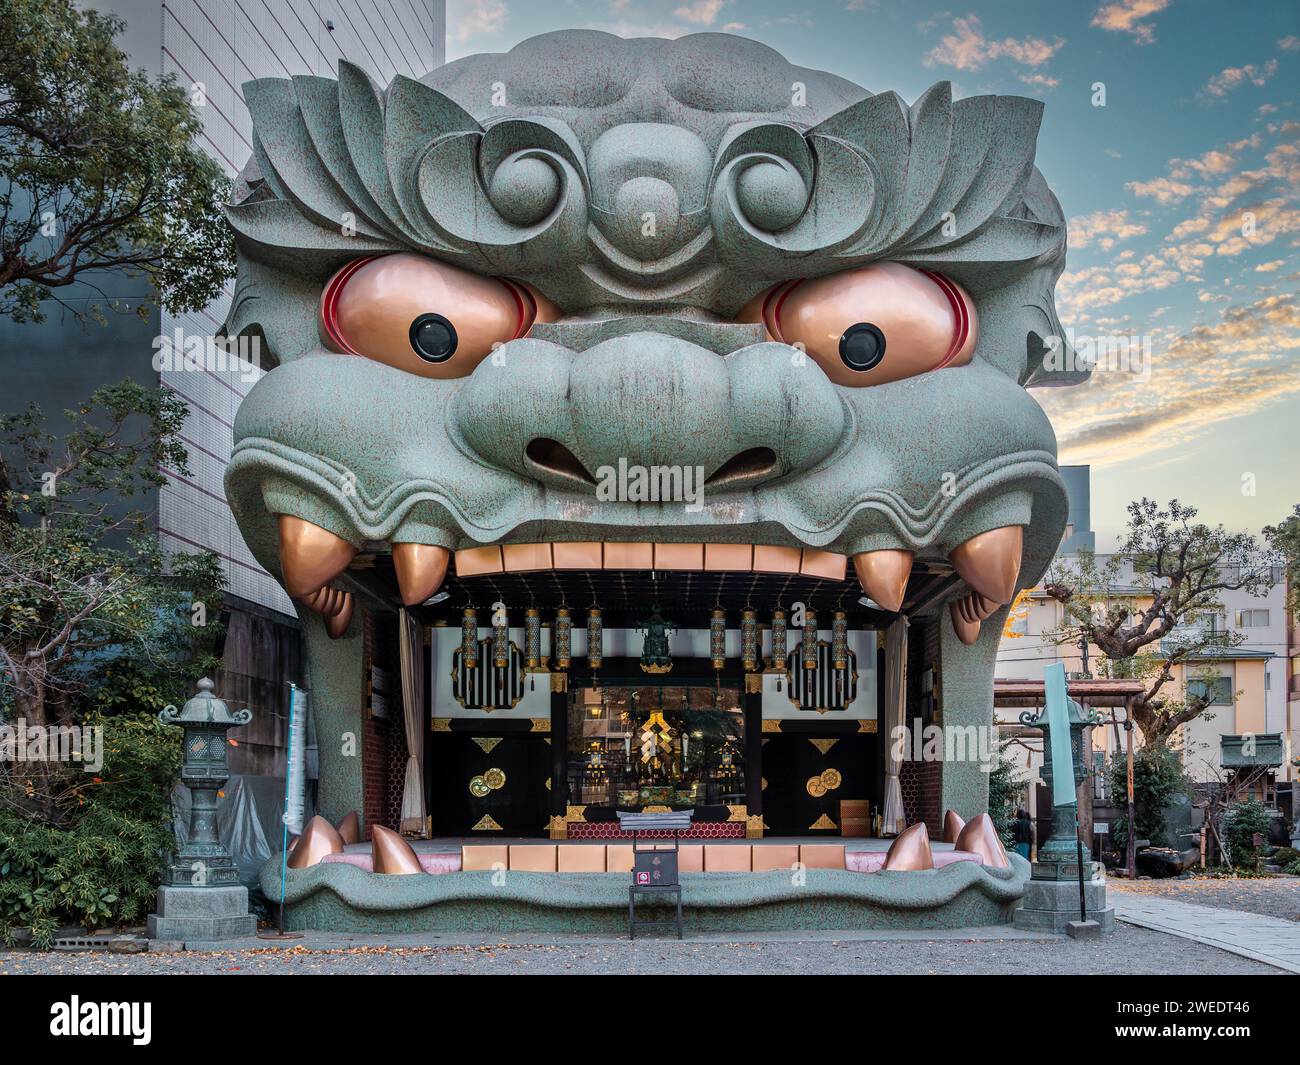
[
  {"x": 966, "y": 677},
  {"x": 336, "y": 701}
]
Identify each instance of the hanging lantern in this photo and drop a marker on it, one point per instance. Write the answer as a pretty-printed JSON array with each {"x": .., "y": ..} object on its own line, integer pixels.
[
  {"x": 840, "y": 640},
  {"x": 500, "y": 637},
  {"x": 809, "y": 639},
  {"x": 533, "y": 640},
  {"x": 595, "y": 634},
  {"x": 469, "y": 638},
  {"x": 563, "y": 649},
  {"x": 718, "y": 638},
  {"x": 779, "y": 650},
  {"x": 749, "y": 640}
]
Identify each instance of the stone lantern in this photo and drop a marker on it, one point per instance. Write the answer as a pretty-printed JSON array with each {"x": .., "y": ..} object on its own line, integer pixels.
[
  {"x": 201, "y": 897},
  {"x": 1051, "y": 900}
]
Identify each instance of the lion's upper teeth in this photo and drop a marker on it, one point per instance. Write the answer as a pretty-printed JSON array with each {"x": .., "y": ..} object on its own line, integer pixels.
[
  {"x": 990, "y": 562},
  {"x": 310, "y": 557}
]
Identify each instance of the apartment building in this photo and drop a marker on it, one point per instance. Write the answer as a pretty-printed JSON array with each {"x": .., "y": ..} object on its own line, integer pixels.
[{"x": 1253, "y": 686}]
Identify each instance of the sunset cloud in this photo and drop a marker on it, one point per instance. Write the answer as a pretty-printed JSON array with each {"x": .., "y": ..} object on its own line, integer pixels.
[
  {"x": 968, "y": 49},
  {"x": 1124, "y": 16}
]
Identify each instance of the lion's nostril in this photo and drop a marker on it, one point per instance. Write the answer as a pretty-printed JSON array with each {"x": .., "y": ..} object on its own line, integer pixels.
[
  {"x": 553, "y": 457},
  {"x": 754, "y": 462}
]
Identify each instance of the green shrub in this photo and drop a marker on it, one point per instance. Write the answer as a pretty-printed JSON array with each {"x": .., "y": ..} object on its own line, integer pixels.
[
  {"x": 1006, "y": 795},
  {"x": 1238, "y": 827},
  {"x": 1293, "y": 868},
  {"x": 1158, "y": 776},
  {"x": 1286, "y": 856},
  {"x": 101, "y": 864}
]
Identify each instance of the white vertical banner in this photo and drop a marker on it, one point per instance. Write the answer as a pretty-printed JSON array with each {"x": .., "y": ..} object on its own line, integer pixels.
[{"x": 295, "y": 776}]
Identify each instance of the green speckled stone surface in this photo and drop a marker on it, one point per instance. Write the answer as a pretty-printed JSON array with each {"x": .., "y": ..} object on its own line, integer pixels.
[{"x": 340, "y": 897}]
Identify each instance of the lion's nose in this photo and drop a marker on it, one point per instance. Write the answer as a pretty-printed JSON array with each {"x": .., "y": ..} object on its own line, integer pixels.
[{"x": 650, "y": 400}]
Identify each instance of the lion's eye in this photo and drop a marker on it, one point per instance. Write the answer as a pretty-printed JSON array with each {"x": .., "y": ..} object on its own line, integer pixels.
[
  {"x": 423, "y": 316},
  {"x": 872, "y": 325}
]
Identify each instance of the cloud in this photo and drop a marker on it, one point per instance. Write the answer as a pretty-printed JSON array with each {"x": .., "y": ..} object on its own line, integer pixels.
[
  {"x": 701, "y": 12},
  {"x": 1124, "y": 16},
  {"x": 468, "y": 19},
  {"x": 1162, "y": 190},
  {"x": 1232, "y": 77},
  {"x": 968, "y": 48},
  {"x": 1290, "y": 43},
  {"x": 1245, "y": 361},
  {"x": 1107, "y": 228},
  {"x": 1044, "y": 81},
  {"x": 1268, "y": 268}
]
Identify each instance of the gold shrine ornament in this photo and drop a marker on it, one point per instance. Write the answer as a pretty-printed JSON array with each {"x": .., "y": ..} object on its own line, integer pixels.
[{"x": 496, "y": 779}]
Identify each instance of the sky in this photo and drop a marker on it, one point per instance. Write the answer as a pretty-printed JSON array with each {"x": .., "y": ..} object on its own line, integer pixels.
[{"x": 1171, "y": 136}]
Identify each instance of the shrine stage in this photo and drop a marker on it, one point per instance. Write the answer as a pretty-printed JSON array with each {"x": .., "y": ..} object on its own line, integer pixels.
[{"x": 754, "y": 885}]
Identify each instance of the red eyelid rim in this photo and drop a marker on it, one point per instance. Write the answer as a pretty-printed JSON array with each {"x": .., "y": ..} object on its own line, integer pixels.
[
  {"x": 779, "y": 295},
  {"x": 330, "y": 303},
  {"x": 524, "y": 303},
  {"x": 960, "y": 313}
]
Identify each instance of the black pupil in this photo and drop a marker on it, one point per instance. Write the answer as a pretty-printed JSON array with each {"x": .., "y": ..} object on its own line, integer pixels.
[
  {"x": 433, "y": 338},
  {"x": 862, "y": 346}
]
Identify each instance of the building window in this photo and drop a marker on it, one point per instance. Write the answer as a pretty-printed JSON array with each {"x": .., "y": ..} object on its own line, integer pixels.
[
  {"x": 1252, "y": 619},
  {"x": 1216, "y": 691}
]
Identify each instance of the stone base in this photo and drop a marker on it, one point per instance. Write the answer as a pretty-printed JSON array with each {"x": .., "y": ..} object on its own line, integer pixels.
[
  {"x": 1084, "y": 930},
  {"x": 208, "y": 913},
  {"x": 1053, "y": 905}
]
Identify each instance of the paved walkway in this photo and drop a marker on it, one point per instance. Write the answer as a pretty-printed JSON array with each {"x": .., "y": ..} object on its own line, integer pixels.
[{"x": 1251, "y": 935}]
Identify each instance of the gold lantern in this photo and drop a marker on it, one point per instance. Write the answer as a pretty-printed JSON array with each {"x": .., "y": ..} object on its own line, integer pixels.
[
  {"x": 749, "y": 640},
  {"x": 779, "y": 650},
  {"x": 562, "y": 652},
  {"x": 809, "y": 639},
  {"x": 840, "y": 640},
  {"x": 500, "y": 637},
  {"x": 469, "y": 638},
  {"x": 533, "y": 640},
  {"x": 595, "y": 638},
  {"x": 718, "y": 638}
]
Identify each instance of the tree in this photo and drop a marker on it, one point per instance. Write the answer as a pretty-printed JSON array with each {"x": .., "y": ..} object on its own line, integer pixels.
[
  {"x": 98, "y": 167},
  {"x": 84, "y": 585},
  {"x": 1284, "y": 538},
  {"x": 1150, "y": 607}
]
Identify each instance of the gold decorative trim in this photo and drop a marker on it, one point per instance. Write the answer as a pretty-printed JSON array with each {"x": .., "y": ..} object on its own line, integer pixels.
[
  {"x": 658, "y": 810},
  {"x": 753, "y": 683},
  {"x": 575, "y": 814},
  {"x": 486, "y": 823},
  {"x": 824, "y": 745},
  {"x": 541, "y": 724},
  {"x": 440, "y": 724},
  {"x": 823, "y": 822},
  {"x": 657, "y": 669},
  {"x": 738, "y": 813},
  {"x": 868, "y": 725},
  {"x": 754, "y": 826},
  {"x": 487, "y": 742},
  {"x": 770, "y": 725},
  {"x": 559, "y": 827},
  {"x": 559, "y": 682}
]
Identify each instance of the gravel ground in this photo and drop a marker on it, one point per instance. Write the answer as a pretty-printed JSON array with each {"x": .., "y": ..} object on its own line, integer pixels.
[
  {"x": 1271, "y": 897},
  {"x": 1128, "y": 950}
]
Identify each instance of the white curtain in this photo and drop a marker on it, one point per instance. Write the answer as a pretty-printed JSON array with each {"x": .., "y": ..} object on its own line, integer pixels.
[
  {"x": 409, "y": 638},
  {"x": 892, "y": 814}
]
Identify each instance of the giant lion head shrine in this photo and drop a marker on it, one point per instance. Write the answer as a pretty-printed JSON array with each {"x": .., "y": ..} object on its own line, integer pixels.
[{"x": 647, "y": 431}]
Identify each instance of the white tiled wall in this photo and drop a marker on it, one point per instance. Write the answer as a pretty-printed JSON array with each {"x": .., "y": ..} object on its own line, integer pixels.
[{"x": 222, "y": 44}]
